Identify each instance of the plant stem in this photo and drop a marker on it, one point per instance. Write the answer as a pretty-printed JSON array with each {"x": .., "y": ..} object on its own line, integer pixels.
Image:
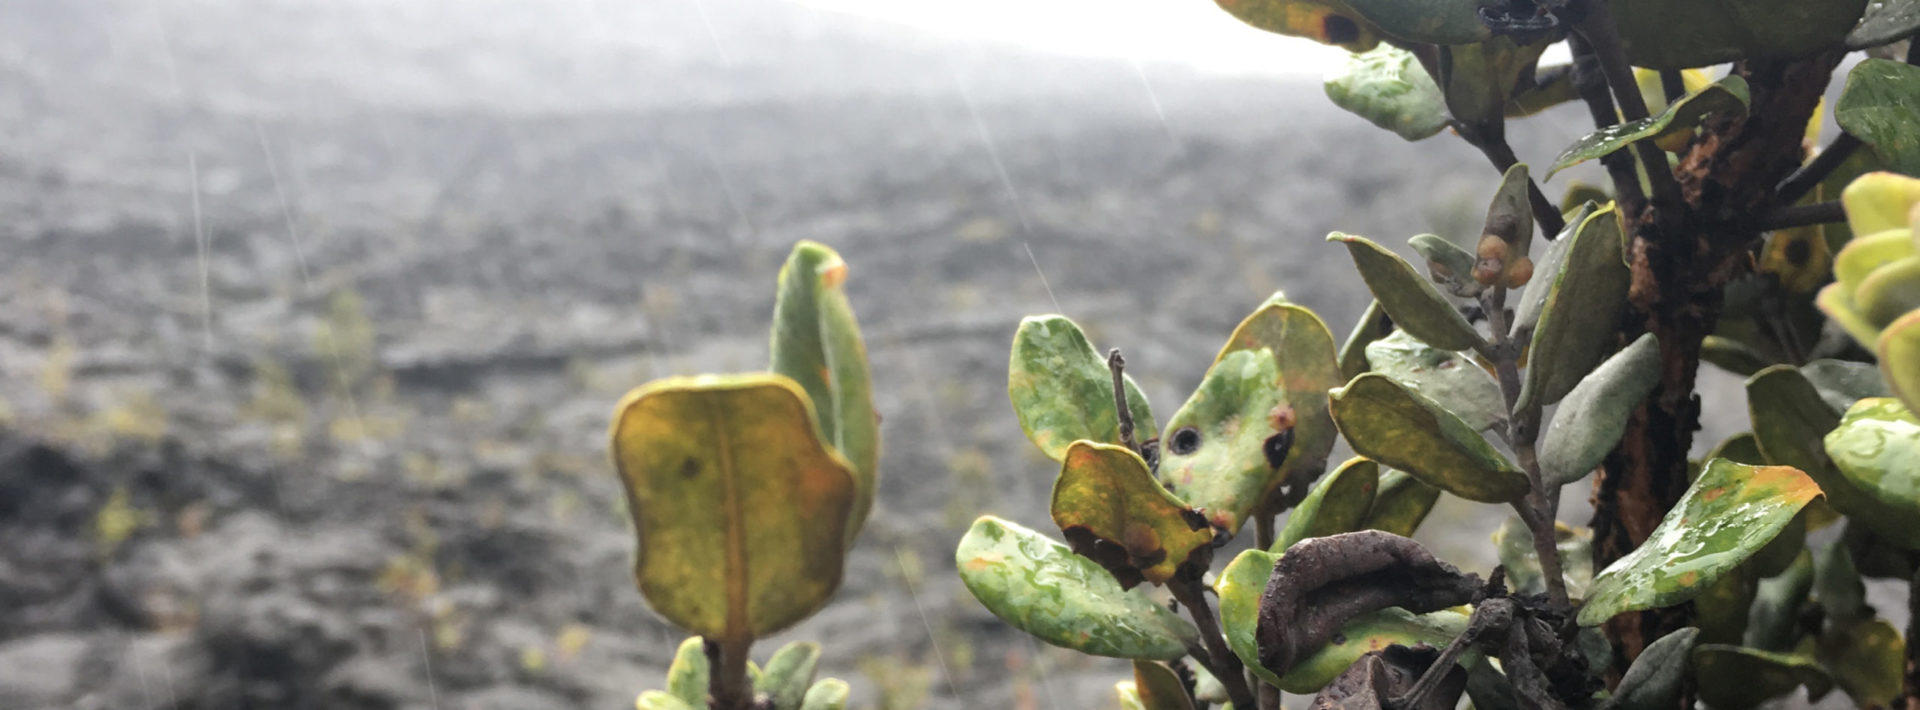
[
  {"x": 728, "y": 682},
  {"x": 1118, "y": 366},
  {"x": 1597, "y": 30},
  {"x": 1537, "y": 508},
  {"x": 1500, "y": 153},
  {"x": 1263, "y": 530},
  {"x": 1220, "y": 662},
  {"x": 1591, "y": 83},
  {"x": 1801, "y": 216},
  {"x": 1803, "y": 181},
  {"x": 1673, "y": 84}
]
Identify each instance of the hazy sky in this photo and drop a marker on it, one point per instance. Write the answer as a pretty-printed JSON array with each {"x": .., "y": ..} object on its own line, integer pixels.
[{"x": 1193, "y": 32}]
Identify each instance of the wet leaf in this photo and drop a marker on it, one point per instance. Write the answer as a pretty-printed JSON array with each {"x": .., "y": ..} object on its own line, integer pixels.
[
  {"x": 1387, "y": 86},
  {"x": 1337, "y": 504},
  {"x": 1041, "y": 587},
  {"x": 1113, "y": 512},
  {"x": 1515, "y": 543},
  {"x": 656, "y": 700},
  {"x": 1899, "y": 351},
  {"x": 1660, "y": 34},
  {"x": 1731, "y": 512},
  {"x": 1408, "y": 299},
  {"x": 1388, "y": 423},
  {"x": 816, "y": 342},
  {"x": 1229, "y": 445},
  {"x": 1885, "y": 22},
  {"x": 1774, "y": 621},
  {"x": 1582, "y": 305},
  {"x": 1374, "y": 680},
  {"x": 687, "y": 676},
  {"x": 1790, "y": 423},
  {"x": 1448, "y": 265},
  {"x": 1843, "y": 382},
  {"x": 1728, "y": 95},
  {"x": 827, "y": 694},
  {"x": 788, "y": 674},
  {"x": 1401, "y": 504},
  {"x": 1062, "y": 390},
  {"x": 1324, "y": 21},
  {"x": 740, "y": 511},
  {"x": 1373, "y": 325},
  {"x": 1303, "y": 353},
  {"x": 1654, "y": 680},
  {"x": 1158, "y": 687},
  {"x": 1441, "y": 376},
  {"x": 1877, "y": 448},
  {"x": 1881, "y": 106},
  {"x": 1866, "y": 658},
  {"x": 1323, "y": 583},
  {"x": 1594, "y": 415},
  {"x": 1734, "y": 677}
]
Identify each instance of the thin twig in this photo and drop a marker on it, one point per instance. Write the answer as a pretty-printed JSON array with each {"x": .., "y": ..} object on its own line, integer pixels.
[
  {"x": 1118, "y": 365},
  {"x": 1803, "y": 181},
  {"x": 1500, "y": 153},
  {"x": 1801, "y": 215},
  {"x": 1220, "y": 661},
  {"x": 1536, "y": 509},
  {"x": 1673, "y": 84},
  {"x": 1591, "y": 83},
  {"x": 1597, "y": 30}
]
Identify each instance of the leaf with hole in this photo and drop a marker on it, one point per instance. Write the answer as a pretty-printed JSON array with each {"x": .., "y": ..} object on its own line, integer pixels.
[
  {"x": 1729, "y": 514},
  {"x": 1398, "y": 427},
  {"x": 1113, "y": 512},
  {"x": 1227, "y": 447},
  {"x": 1337, "y": 504},
  {"x": 1728, "y": 96},
  {"x": 1583, "y": 302},
  {"x": 739, "y": 510},
  {"x": 1304, "y": 355},
  {"x": 1594, "y": 415},
  {"x": 1041, "y": 587},
  {"x": 1881, "y": 106},
  {"x": 816, "y": 342},
  {"x": 1062, "y": 389},
  {"x": 1325, "y": 21},
  {"x": 1408, "y": 298},
  {"x": 1442, "y": 376},
  {"x": 1387, "y": 86}
]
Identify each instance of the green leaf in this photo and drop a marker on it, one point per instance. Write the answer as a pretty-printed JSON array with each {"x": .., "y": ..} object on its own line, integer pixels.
[
  {"x": 739, "y": 510},
  {"x": 1899, "y": 351},
  {"x": 1478, "y": 78},
  {"x": 1734, "y": 677},
  {"x": 1662, "y": 34},
  {"x": 1881, "y": 106},
  {"x": 788, "y": 674},
  {"x": 656, "y": 700},
  {"x": 1723, "y": 608},
  {"x": 1739, "y": 448},
  {"x": 687, "y": 677},
  {"x": 827, "y": 694},
  {"x": 1303, "y": 353},
  {"x": 1867, "y": 659},
  {"x": 1843, "y": 382},
  {"x": 1790, "y": 423},
  {"x": 1229, "y": 445},
  {"x": 1395, "y": 426},
  {"x": 1877, "y": 448},
  {"x": 1409, "y": 299},
  {"x": 1337, "y": 504},
  {"x": 1731, "y": 512},
  {"x": 1240, "y": 585},
  {"x": 1448, "y": 265},
  {"x": 1374, "y": 325},
  {"x": 1515, "y": 543},
  {"x": 816, "y": 342},
  {"x": 1062, "y": 390},
  {"x": 1325, "y": 21},
  {"x": 1594, "y": 415},
  {"x": 1388, "y": 87},
  {"x": 1584, "y": 299},
  {"x": 1158, "y": 688},
  {"x": 1129, "y": 694},
  {"x": 1885, "y": 22},
  {"x": 1451, "y": 378},
  {"x": 1112, "y": 511},
  {"x": 1044, "y": 589},
  {"x": 1401, "y": 504},
  {"x": 1654, "y": 680},
  {"x": 1774, "y": 622},
  {"x": 1726, "y": 96},
  {"x": 1533, "y": 300},
  {"x": 1838, "y": 587},
  {"x": 1732, "y": 355}
]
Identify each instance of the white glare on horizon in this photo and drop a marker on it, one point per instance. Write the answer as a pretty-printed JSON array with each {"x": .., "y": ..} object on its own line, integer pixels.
[{"x": 1192, "y": 32}]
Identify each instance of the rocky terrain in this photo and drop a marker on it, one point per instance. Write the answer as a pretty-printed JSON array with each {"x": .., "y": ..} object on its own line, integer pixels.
[{"x": 313, "y": 313}]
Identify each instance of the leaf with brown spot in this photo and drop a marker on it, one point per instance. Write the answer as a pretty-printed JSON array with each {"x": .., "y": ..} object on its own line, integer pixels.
[{"x": 1113, "y": 512}]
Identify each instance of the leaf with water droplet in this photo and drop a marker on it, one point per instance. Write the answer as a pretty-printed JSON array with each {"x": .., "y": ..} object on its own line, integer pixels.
[
  {"x": 1881, "y": 105},
  {"x": 1515, "y": 544},
  {"x": 816, "y": 342},
  {"x": 1304, "y": 355},
  {"x": 1877, "y": 448},
  {"x": 739, "y": 509},
  {"x": 1450, "y": 378},
  {"x": 1594, "y": 415},
  {"x": 1728, "y": 96},
  {"x": 1730, "y": 676},
  {"x": 1790, "y": 420},
  {"x": 1580, "y": 307},
  {"x": 1388, "y": 87},
  {"x": 1401, "y": 504},
  {"x": 1062, "y": 389},
  {"x": 1113, "y": 512},
  {"x": 1226, "y": 449},
  {"x": 1408, "y": 298},
  {"x": 1337, "y": 504},
  {"x": 1398, "y": 427},
  {"x": 1731, "y": 512},
  {"x": 1041, "y": 587}
]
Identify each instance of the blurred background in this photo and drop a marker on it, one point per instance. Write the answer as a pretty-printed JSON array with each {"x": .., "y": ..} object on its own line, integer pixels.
[{"x": 314, "y": 311}]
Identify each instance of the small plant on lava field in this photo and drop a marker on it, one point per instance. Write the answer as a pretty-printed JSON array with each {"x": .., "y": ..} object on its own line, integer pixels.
[{"x": 1510, "y": 371}]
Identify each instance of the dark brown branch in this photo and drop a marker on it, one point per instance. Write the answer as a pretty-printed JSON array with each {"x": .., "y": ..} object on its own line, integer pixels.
[
  {"x": 1801, "y": 215},
  {"x": 1673, "y": 84},
  {"x": 1597, "y": 30},
  {"x": 1118, "y": 366},
  {"x": 1591, "y": 83},
  {"x": 1803, "y": 181},
  {"x": 1220, "y": 661},
  {"x": 1544, "y": 212}
]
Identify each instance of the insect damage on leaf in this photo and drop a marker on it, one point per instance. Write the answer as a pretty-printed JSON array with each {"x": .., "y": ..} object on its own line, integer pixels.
[{"x": 1321, "y": 583}]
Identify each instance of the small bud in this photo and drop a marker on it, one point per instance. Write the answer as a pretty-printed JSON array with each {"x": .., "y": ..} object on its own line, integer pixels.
[
  {"x": 1519, "y": 272},
  {"x": 1492, "y": 247}
]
